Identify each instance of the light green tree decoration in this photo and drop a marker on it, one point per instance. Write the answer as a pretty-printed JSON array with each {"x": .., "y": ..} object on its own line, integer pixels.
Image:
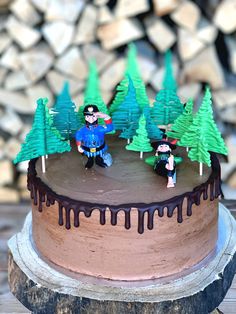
[
  {"x": 132, "y": 70},
  {"x": 154, "y": 132},
  {"x": 199, "y": 153},
  {"x": 169, "y": 81},
  {"x": 166, "y": 108},
  {"x": 204, "y": 129},
  {"x": 183, "y": 122},
  {"x": 65, "y": 117},
  {"x": 43, "y": 139},
  {"x": 128, "y": 113},
  {"x": 141, "y": 142}
]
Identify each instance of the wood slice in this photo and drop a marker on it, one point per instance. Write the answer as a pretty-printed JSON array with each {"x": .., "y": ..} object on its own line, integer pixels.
[
  {"x": 26, "y": 12},
  {"x": 22, "y": 34},
  {"x": 127, "y": 8},
  {"x": 187, "y": 15},
  {"x": 86, "y": 29},
  {"x": 17, "y": 80},
  {"x": 224, "y": 98},
  {"x": 6, "y": 171},
  {"x": 3, "y": 73},
  {"x": 9, "y": 195},
  {"x": 188, "y": 44},
  {"x": 17, "y": 101},
  {"x": 64, "y": 10},
  {"x": 12, "y": 148},
  {"x": 36, "y": 62},
  {"x": 41, "y": 5},
  {"x": 43, "y": 289},
  {"x": 119, "y": 32},
  {"x": 147, "y": 68},
  {"x": 159, "y": 33},
  {"x": 158, "y": 76},
  {"x": 205, "y": 67},
  {"x": 37, "y": 91},
  {"x": 163, "y": 7},
  {"x": 113, "y": 75},
  {"x": 206, "y": 31},
  {"x": 224, "y": 17},
  {"x": 71, "y": 63},
  {"x": 231, "y": 45},
  {"x": 5, "y": 41},
  {"x": 189, "y": 91},
  {"x": 59, "y": 35},
  {"x": 10, "y": 58},
  {"x": 104, "y": 15}
]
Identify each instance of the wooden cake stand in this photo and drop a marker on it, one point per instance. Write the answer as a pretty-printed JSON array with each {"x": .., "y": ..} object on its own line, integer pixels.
[{"x": 44, "y": 289}]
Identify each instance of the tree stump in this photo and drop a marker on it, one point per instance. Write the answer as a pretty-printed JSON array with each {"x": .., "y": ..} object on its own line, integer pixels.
[{"x": 44, "y": 289}]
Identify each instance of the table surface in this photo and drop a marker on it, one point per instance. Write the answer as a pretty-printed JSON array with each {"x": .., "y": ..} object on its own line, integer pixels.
[{"x": 11, "y": 221}]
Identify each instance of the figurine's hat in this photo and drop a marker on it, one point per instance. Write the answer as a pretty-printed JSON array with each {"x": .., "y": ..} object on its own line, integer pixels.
[
  {"x": 90, "y": 109},
  {"x": 164, "y": 142}
]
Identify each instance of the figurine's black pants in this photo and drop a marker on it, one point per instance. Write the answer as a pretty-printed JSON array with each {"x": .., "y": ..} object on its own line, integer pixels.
[{"x": 160, "y": 168}]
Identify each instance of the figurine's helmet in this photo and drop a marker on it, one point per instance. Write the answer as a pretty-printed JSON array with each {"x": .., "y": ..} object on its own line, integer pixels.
[{"x": 90, "y": 109}]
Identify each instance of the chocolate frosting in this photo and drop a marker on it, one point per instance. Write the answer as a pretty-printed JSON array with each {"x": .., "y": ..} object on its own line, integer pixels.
[{"x": 69, "y": 209}]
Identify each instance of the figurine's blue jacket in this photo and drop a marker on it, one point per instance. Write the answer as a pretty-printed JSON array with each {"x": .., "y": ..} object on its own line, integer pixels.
[{"x": 91, "y": 138}]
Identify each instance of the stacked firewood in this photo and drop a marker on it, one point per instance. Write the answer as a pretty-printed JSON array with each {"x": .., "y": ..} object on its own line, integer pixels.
[{"x": 46, "y": 42}]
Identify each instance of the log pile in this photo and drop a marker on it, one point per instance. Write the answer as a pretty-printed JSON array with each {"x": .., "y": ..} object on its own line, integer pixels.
[{"x": 43, "y": 43}]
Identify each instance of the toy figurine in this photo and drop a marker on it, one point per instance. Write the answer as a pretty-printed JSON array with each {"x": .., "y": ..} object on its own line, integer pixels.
[
  {"x": 90, "y": 138},
  {"x": 164, "y": 162}
]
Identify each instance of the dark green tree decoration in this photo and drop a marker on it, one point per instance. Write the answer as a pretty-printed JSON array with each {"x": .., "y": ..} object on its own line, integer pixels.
[
  {"x": 65, "y": 117},
  {"x": 169, "y": 81},
  {"x": 127, "y": 114},
  {"x": 204, "y": 129},
  {"x": 43, "y": 139},
  {"x": 154, "y": 132},
  {"x": 141, "y": 142},
  {"x": 183, "y": 122},
  {"x": 167, "y": 107}
]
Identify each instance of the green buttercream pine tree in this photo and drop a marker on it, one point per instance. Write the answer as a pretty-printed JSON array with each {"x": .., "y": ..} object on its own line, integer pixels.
[
  {"x": 183, "y": 122},
  {"x": 128, "y": 113},
  {"x": 169, "y": 81},
  {"x": 204, "y": 129},
  {"x": 154, "y": 132},
  {"x": 43, "y": 139},
  {"x": 200, "y": 153},
  {"x": 166, "y": 108},
  {"x": 65, "y": 117},
  {"x": 141, "y": 142}
]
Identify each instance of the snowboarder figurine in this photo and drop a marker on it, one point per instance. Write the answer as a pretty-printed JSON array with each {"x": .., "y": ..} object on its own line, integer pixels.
[{"x": 90, "y": 138}]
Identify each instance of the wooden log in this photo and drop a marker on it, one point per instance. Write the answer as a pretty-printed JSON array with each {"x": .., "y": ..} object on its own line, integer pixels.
[
  {"x": 119, "y": 32},
  {"x": 37, "y": 91},
  {"x": 163, "y": 7},
  {"x": 102, "y": 57},
  {"x": 40, "y": 5},
  {"x": 158, "y": 76},
  {"x": 104, "y": 15},
  {"x": 3, "y": 21},
  {"x": 100, "y": 2},
  {"x": 206, "y": 31},
  {"x": 86, "y": 29},
  {"x": 12, "y": 148},
  {"x": 10, "y": 58},
  {"x": 25, "y": 12},
  {"x": 17, "y": 80},
  {"x": 187, "y": 15},
  {"x": 229, "y": 115},
  {"x": 10, "y": 122},
  {"x": 64, "y": 10},
  {"x": 9, "y": 195},
  {"x": 205, "y": 67},
  {"x": 22, "y": 181},
  {"x": 24, "y": 131},
  {"x": 127, "y": 8},
  {"x": 224, "y": 98},
  {"x": 112, "y": 75},
  {"x": 17, "y": 101},
  {"x": 71, "y": 63},
  {"x": 224, "y": 17},
  {"x": 3, "y": 73},
  {"x": 36, "y": 62},
  {"x": 159, "y": 33},
  {"x": 43, "y": 289},
  {"x": 5, "y": 41},
  {"x": 6, "y": 171},
  {"x": 59, "y": 35},
  {"x": 189, "y": 91},
  {"x": 147, "y": 68},
  {"x": 56, "y": 81},
  {"x": 188, "y": 44},
  {"x": 22, "y": 34},
  {"x": 231, "y": 46}
]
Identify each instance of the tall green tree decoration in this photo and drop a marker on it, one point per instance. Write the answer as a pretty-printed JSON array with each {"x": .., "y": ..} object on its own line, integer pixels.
[
  {"x": 43, "y": 139},
  {"x": 141, "y": 142},
  {"x": 183, "y": 122},
  {"x": 65, "y": 117},
  {"x": 128, "y": 113},
  {"x": 154, "y": 132},
  {"x": 167, "y": 107},
  {"x": 169, "y": 81},
  {"x": 203, "y": 129}
]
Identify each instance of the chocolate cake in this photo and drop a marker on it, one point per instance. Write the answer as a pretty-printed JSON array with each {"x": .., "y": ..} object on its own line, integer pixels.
[{"x": 121, "y": 222}]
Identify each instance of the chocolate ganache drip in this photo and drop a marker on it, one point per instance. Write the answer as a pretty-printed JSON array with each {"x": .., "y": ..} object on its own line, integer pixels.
[{"x": 40, "y": 193}]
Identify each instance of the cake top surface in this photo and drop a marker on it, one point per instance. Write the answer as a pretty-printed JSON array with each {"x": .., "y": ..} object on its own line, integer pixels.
[{"x": 128, "y": 181}]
